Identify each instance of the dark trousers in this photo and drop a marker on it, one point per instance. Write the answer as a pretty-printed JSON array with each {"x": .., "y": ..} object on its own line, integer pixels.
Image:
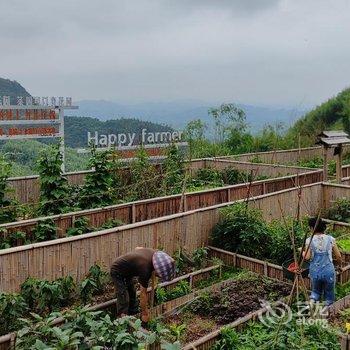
[{"x": 127, "y": 302}]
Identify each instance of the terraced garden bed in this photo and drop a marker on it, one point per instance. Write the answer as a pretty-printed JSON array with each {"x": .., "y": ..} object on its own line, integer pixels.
[{"x": 211, "y": 310}]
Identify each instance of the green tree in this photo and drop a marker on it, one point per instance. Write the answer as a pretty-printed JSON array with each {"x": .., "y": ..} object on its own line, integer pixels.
[{"x": 228, "y": 118}]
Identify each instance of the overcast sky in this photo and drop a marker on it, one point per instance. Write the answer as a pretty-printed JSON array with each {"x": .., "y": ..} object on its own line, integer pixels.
[{"x": 270, "y": 52}]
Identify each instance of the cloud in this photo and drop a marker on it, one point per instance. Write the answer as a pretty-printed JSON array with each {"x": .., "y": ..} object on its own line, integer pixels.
[{"x": 263, "y": 51}]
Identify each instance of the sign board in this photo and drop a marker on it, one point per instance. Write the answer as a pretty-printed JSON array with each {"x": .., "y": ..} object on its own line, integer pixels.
[
  {"x": 33, "y": 117},
  {"x": 127, "y": 144}
]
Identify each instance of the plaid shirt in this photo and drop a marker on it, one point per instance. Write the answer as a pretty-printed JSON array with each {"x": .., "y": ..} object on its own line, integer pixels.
[{"x": 164, "y": 265}]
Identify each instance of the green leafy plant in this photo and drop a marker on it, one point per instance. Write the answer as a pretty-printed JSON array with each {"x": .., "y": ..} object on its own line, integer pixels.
[
  {"x": 344, "y": 244},
  {"x": 45, "y": 230},
  {"x": 13, "y": 239},
  {"x": 144, "y": 181},
  {"x": 53, "y": 184},
  {"x": 229, "y": 339},
  {"x": 42, "y": 296},
  {"x": 8, "y": 208},
  {"x": 200, "y": 256},
  {"x": 94, "y": 283},
  {"x": 174, "y": 170},
  {"x": 83, "y": 330},
  {"x": 241, "y": 229},
  {"x": 340, "y": 210},
  {"x": 80, "y": 226},
  {"x": 177, "y": 330},
  {"x": 12, "y": 307},
  {"x": 110, "y": 223},
  {"x": 161, "y": 295},
  {"x": 101, "y": 185},
  {"x": 182, "y": 288}
]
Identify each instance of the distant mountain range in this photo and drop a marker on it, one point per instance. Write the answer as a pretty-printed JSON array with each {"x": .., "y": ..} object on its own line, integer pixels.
[
  {"x": 179, "y": 113},
  {"x": 175, "y": 114}
]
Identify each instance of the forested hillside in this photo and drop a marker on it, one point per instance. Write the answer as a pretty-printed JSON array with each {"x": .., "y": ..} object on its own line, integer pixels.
[
  {"x": 12, "y": 88},
  {"x": 332, "y": 114},
  {"x": 76, "y": 128}
]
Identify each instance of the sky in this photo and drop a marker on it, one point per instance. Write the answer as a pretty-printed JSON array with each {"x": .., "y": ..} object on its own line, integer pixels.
[{"x": 264, "y": 52}]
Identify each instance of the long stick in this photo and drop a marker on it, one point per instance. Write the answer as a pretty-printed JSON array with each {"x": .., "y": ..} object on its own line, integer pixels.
[{"x": 153, "y": 284}]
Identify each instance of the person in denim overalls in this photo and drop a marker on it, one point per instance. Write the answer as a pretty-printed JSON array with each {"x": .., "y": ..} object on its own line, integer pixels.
[{"x": 322, "y": 271}]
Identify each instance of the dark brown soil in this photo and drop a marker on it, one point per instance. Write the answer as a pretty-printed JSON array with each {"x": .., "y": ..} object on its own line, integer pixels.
[
  {"x": 238, "y": 298},
  {"x": 235, "y": 299}
]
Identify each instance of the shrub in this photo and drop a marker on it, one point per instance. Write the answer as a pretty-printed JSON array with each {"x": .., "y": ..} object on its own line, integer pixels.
[{"x": 242, "y": 229}]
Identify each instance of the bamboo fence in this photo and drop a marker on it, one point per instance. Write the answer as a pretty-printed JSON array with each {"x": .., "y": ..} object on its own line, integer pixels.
[
  {"x": 189, "y": 230},
  {"x": 27, "y": 189},
  {"x": 289, "y": 156},
  {"x": 157, "y": 207}
]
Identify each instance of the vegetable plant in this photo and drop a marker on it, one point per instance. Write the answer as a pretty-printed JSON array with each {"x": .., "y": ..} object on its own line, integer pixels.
[
  {"x": 94, "y": 283},
  {"x": 199, "y": 257},
  {"x": 83, "y": 330},
  {"x": 42, "y": 296},
  {"x": 54, "y": 192},
  {"x": 13, "y": 239},
  {"x": 12, "y": 307},
  {"x": 8, "y": 209},
  {"x": 102, "y": 185},
  {"x": 340, "y": 210},
  {"x": 80, "y": 226},
  {"x": 45, "y": 230}
]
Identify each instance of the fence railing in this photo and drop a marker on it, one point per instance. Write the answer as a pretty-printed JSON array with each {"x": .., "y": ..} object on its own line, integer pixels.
[
  {"x": 189, "y": 230},
  {"x": 258, "y": 169},
  {"x": 157, "y": 207},
  {"x": 27, "y": 189},
  {"x": 289, "y": 156}
]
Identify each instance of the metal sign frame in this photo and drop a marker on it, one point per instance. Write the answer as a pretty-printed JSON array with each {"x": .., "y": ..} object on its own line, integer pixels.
[{"x": 39, "y": 104}]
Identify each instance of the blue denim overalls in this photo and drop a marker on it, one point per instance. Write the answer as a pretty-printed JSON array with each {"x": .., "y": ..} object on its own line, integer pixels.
[{"x": 322, "y": 272}]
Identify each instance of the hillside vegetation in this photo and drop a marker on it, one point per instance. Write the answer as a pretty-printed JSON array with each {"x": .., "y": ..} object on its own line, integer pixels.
[
  {"x": 330, "y": 115},
  {"x": 76, "y": 128},
  {"x": 12, "y": 88},
  {"x": 228, "y": 126},
  {"x": 23, "y": 156}
]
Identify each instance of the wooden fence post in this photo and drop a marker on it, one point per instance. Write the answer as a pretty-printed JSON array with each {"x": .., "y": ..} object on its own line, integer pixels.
[
  {"x": 133, "y": 213},
  {"x": 265, "y": 268}
]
